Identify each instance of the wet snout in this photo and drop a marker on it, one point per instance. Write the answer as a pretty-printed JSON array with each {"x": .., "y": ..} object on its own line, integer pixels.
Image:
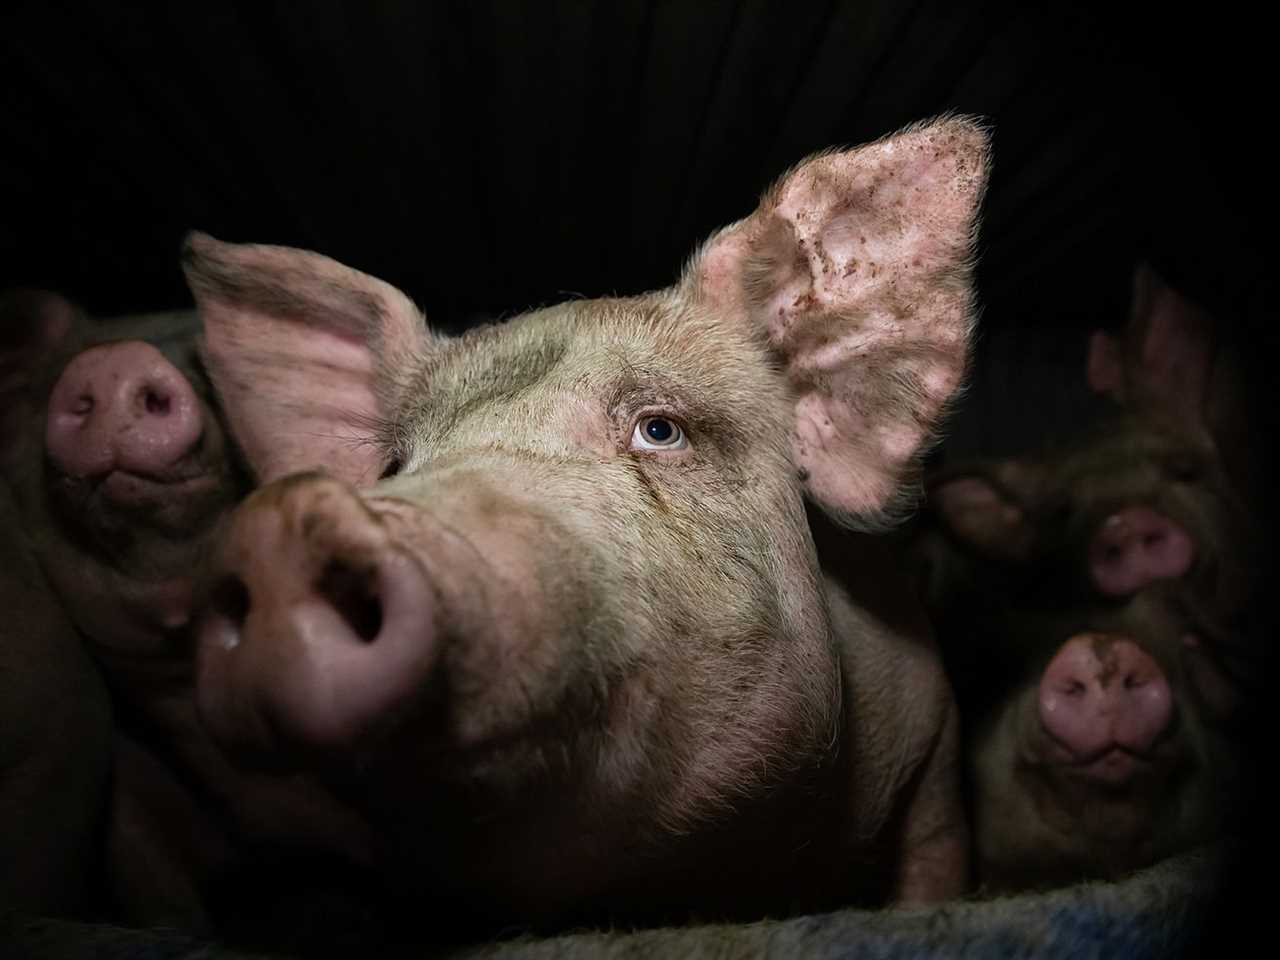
[
  {"x": 1104, "y": 700},
  {"x": 320, "y": 629},
  {"x": 121, "y": 406},
  {"x": 1136, "y": 546}
]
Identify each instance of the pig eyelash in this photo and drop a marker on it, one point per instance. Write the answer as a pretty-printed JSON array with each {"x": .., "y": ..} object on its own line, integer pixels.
[{"x": 657, "y": 433}]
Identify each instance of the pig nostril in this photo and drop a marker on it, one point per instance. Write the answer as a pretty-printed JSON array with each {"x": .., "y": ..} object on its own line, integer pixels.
[
  {"x": 230, "y": 599},
  {"x": 156, "y": 404},
  {"x": 352, "y": 595},
  {"x": 83, "y": 405},
  {"x": 1153, "y": 539}
]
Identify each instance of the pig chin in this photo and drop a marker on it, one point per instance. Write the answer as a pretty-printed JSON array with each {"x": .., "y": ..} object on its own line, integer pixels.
[{"x": 179, "y": 501}]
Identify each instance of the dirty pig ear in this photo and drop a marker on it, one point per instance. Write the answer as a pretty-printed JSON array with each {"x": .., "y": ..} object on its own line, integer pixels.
[
  {"x": 307, "y": 355},
  {"x": 857, "y": 267}
]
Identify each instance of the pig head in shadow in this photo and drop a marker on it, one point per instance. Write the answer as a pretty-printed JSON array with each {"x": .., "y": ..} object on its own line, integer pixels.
[
  {"x": 540, "y": 602},
  {"x": 1096, "y": 606}
]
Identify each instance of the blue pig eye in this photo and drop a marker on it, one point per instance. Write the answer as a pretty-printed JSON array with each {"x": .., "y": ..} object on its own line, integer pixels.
[{"x": 658, "y": 433}]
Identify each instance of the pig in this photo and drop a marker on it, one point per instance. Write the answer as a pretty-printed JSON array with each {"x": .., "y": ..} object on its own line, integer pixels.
[
  {"x": 1098, "y": 609},
  {"x": 55, "y": 719},
  {"x": 117, "y": 472},
  {"x": 539, "y": 604}
]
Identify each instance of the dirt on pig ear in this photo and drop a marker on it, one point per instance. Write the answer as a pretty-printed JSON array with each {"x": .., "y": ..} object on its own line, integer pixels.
[
  {"x": 857, "y": 268},
  {"x": 308, "y": 356}
]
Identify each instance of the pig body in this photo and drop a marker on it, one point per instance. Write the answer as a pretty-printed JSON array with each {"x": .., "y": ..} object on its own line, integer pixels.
[
  {"x": 55, "y": 741},
  {"x": 540, "y": 604},
  {"x": 1098, "y": 607},
  {"x": 55, "y": 719}
]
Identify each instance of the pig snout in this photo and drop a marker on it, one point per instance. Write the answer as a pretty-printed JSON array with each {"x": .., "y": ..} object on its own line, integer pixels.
[
  {"x": 124, "y": 407},
  {"x": 319, "y": 629},
  {"x": 1136, "y": 546},
  {"x": 1104, "y": 700}
]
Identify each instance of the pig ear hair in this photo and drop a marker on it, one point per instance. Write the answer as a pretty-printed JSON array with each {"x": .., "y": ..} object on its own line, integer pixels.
[
  {"x": 308, "y": 356},
  {"x": 976, "y": 507},
  {"x": 857, "y": 269}
]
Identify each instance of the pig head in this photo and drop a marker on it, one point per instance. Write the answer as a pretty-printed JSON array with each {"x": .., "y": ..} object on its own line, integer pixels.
[
  {"x": 541, "y": 601},
  {"x": 119, "y": 465},
  {"x": 1097, "y": 607}
]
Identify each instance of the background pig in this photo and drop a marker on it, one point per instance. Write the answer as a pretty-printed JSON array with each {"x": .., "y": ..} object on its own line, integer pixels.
[
  {"x": 120, "y": 473},
  {"x": 55, "y": 721},
  {"x": 541, "y": 603},
  {"x": 1097, "y": 607}
]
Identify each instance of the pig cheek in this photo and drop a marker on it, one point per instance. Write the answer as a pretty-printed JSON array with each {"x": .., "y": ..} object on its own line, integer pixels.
[{"x": 510, "y": 597}]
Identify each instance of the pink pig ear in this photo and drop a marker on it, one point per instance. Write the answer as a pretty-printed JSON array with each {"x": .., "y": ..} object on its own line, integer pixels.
[
  {"x": 857, "y": 266},
  {"x": 305, "y": 354}
]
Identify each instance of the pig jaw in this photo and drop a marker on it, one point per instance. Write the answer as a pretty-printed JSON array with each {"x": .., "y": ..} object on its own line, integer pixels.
[{"x": 1038, "y": 822}]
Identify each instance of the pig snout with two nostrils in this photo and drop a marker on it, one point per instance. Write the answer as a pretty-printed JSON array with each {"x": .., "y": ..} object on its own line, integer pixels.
[
  {"x": 541, "y": 600},
  {"x": 1097, "y": 605}
]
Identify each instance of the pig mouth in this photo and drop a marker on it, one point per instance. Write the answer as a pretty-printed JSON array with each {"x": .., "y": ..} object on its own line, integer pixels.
[
  {"x": 128, "y": 487},
  {"x": 1113, "y": 765}
]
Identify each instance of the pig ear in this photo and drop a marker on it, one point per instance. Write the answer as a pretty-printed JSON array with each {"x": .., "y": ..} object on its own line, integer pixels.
[
  {"x": 33, "y": 325},
  {"x": 1168, "y": 350},
  {"x": 857, "y": 268},
  {"x": 305, "y": 354},
  {"x": 1104, "y": 368},
  {"x": 976, "y": 509}
]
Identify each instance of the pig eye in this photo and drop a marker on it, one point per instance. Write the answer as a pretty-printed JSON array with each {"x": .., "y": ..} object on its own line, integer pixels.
[
  {"x": 658, "y": 433},
  {"x": 391, "y": 469}
]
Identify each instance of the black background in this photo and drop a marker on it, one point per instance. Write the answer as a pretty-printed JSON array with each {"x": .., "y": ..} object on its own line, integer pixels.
[{"x": 490, "y": 156}]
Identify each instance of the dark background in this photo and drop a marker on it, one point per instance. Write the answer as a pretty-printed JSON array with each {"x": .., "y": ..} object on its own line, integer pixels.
[{"x": 490, "y": 156}]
